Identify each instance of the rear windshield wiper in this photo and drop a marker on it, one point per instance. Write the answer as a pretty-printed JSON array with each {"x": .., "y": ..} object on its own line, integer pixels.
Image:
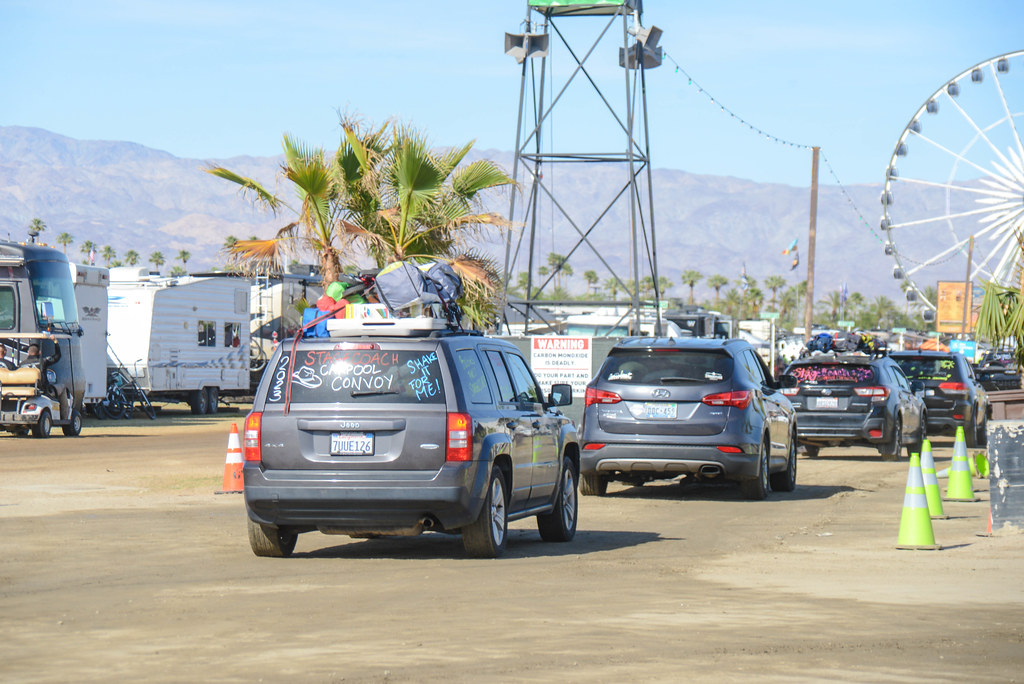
[
  {"x": 680, "y": 378},
  {"x": 366, "y": 393}
]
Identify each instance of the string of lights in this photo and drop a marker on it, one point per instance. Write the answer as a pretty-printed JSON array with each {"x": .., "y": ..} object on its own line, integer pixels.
[{"x": 789, "y": 143}]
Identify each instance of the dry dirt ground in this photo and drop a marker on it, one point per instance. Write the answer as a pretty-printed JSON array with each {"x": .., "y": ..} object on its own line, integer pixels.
[{"x": 120, "y": 564}]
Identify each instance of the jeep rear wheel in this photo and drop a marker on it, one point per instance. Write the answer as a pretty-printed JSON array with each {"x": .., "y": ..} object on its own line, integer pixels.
[
  {"x": 271, "y": 541},
  {"x": 485, "y": 537},
  {"x": 560, "y": 524}
]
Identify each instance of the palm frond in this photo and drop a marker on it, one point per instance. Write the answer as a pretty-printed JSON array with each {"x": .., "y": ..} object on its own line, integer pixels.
[
  {"x": 250, "y": 188},
  {"x": 260, "y": 256},
  {"x": 478, "y": 176}
]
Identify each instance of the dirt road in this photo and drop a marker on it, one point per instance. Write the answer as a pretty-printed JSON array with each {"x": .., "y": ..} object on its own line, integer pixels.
[{"x": 119, "y": 563}]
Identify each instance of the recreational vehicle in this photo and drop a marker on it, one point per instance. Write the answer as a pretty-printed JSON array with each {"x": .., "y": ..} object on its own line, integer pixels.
[
  {"x": 181, "y": 338},
  {"x": 42, "y": 382}
]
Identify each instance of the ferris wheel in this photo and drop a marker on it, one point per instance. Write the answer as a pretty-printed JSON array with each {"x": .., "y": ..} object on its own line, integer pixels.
[{"x": 957, "y": 173}]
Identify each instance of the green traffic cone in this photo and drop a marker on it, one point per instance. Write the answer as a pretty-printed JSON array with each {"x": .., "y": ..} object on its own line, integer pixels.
[
  {"x": 916, "y": 523},
  {"x": 959, "y": 486},
  {"x": 931, "y": 483},
  {"x": 980, "y": 462}
]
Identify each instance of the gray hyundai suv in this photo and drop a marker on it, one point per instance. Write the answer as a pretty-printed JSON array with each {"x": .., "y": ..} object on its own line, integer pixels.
[
  {"x": 403, "y": 433},
  {"x": 661, "y": 408}
]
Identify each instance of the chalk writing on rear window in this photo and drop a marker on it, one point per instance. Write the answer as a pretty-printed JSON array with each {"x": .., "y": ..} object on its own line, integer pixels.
[{"x": 831, "y": 372}]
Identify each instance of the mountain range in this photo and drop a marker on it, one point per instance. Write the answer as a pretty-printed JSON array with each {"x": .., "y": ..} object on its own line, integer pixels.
[{"x": 132, "y": 197}]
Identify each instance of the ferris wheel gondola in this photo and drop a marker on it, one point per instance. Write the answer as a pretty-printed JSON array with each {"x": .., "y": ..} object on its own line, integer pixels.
[{"x": 957, "y": 173}]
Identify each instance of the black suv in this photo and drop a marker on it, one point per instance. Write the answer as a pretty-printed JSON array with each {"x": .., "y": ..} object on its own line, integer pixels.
[
  {"x": 661, "y": 408},
  {"x": 952, "y": 395},
  {"x": 855, "y": 399},
  {"x": 997, "y": 371},
  {"x": 402, "y": 433}
]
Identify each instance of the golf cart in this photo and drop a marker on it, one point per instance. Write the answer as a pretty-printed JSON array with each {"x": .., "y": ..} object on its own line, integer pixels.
[{"x": 41, "y": 372}]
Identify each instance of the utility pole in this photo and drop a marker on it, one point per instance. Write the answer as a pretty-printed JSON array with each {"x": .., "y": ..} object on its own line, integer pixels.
[
  {"x": 967, "y": 289},
  {"x": 809, "y": 303}
]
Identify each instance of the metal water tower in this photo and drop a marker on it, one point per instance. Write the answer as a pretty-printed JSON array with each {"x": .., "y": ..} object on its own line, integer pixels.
[{"x": 549, "y": 30}]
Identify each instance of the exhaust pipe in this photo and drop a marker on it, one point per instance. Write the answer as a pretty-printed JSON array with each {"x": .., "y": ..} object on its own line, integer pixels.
[
  {"x": 709, "y": 470},
  {"x": 427, "y": 523}
]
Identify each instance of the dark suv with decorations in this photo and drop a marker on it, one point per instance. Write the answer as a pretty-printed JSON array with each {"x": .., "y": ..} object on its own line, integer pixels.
[
  {"x": 854, "y": 399},
  {"x": 952, "y": 395},
  {"x": 403, "y": 433},
  {"x": 661, "y": 408}
]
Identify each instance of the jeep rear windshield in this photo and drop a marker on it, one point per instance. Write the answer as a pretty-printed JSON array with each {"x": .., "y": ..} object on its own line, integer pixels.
[
  {"x": 665, "y": 367},
  {"x": 927, "y": 367},
  {"x": 355, "y": 376},
  {"x": 832, "y": 373}
]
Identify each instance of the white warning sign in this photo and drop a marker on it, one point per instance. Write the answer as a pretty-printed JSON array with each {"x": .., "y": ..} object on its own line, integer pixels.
[{"x": 562, "y": 359}]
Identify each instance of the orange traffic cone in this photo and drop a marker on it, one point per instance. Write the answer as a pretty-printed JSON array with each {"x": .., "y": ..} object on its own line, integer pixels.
[{"x": 232, "y": 465}]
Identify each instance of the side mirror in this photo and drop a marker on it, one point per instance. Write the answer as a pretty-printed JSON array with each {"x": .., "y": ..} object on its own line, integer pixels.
[
  {"x": 917, "y": 386},
  {"x": 561, "y": 394},
  {"x": 787, "y": 381}
]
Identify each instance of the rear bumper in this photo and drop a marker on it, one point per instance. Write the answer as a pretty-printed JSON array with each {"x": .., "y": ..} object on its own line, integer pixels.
[
  {"x": 354, "y": 502},
  {"x": 668, "y": 460},
  {"x": 940, "y": 418},
  {"x": 837, "y": 428}
]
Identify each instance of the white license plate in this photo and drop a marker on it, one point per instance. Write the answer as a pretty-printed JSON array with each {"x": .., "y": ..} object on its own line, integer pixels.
[
  {"x": 660, "y": 410},
  {"x": 827, "y": 403},
  {"x": 351, "y": 443}
]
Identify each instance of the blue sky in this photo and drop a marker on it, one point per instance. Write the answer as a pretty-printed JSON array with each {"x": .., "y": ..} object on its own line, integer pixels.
[{"x": 207, "y": 79}]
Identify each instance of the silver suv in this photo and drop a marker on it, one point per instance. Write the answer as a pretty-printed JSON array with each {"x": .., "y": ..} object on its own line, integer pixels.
[{"x": 403, "y": 433}]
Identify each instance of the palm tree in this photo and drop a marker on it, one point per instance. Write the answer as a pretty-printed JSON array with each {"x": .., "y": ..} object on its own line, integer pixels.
[
  {"x": 157, "y": 259},
  {"x": 229, "y": 242},
  {"x": 612, "y": 286},
  {"x": 178, "y": 271},
  {"x": 832, "y": 302},
  {"x": 183, "y": 257},
  {"x": 65, "y": 239},
  {"x": 690, "y": 278},
  {"x": 559, "y": 267},
  {"x": 386, "y": 191},
  {"x": 717, "y": 282},
  {"x": 592, "y": 279},
  {"x": 131, "y": 257},
  {"x": 775, "y": 283},
  {"x": 35, "y": 227},
  {"x": 87, "y": 248},
  {"x": 108, "y": 255}
]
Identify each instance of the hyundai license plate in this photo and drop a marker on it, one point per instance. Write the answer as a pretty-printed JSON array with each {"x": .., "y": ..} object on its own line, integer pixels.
[
  {"x": 660, "y": 410},
  {"x": 827, "y": 403},
  {"x": 351, "y": 443}
]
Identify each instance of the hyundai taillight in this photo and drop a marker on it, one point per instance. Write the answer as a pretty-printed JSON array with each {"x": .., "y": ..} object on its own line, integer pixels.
[
  {"x": 251, "y": 438},
  {"x": 953, "y": 387},
  {"x": 876, "y": 393},
  {"x": 739, "y": 399},
  {"x": 598, "y": 396},
  {"x": 459, "y": 446}
]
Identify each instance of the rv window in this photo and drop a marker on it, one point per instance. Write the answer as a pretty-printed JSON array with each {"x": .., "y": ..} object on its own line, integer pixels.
[
  {"x": 207, "y": 334},
  {"x": 231, "y": 338},
  {"x": 53, "y": 291},
  {"x": 6, "y": 308}
]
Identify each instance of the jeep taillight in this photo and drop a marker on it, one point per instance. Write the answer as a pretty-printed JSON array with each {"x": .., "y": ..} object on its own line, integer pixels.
[
  {"x": 740, "y": 399},
  {"x": 876, "y": 393},
  {"x": 459, "y": 445},
  {"x": 251, "y": 439},
  {"x": 953, "y": 387},
  {"x": 599, "y": 396}
]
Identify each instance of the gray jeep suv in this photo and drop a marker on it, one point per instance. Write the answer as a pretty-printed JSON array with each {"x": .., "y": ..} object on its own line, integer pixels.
[{"x": 403, "y": 433}]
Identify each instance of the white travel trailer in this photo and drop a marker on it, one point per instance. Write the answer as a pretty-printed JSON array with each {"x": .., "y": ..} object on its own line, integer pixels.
[
  {"x": 91, "y": 285},
  {"x": 181, "y": 338}
]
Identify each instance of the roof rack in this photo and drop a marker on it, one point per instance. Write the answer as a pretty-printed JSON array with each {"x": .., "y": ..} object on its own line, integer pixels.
[{"x": 386, "y": 327}]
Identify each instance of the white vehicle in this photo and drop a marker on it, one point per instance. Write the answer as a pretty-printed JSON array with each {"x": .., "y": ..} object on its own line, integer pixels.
[
  {"x": 276, "y": 306},
  {"x": 181, "y": 338},
  {"x": 616, "y": 325},
  {"x": 91, "y": 285}
]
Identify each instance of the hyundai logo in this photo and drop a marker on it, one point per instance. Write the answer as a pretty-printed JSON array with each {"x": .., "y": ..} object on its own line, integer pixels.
[{"x": 660, "y": 393}]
